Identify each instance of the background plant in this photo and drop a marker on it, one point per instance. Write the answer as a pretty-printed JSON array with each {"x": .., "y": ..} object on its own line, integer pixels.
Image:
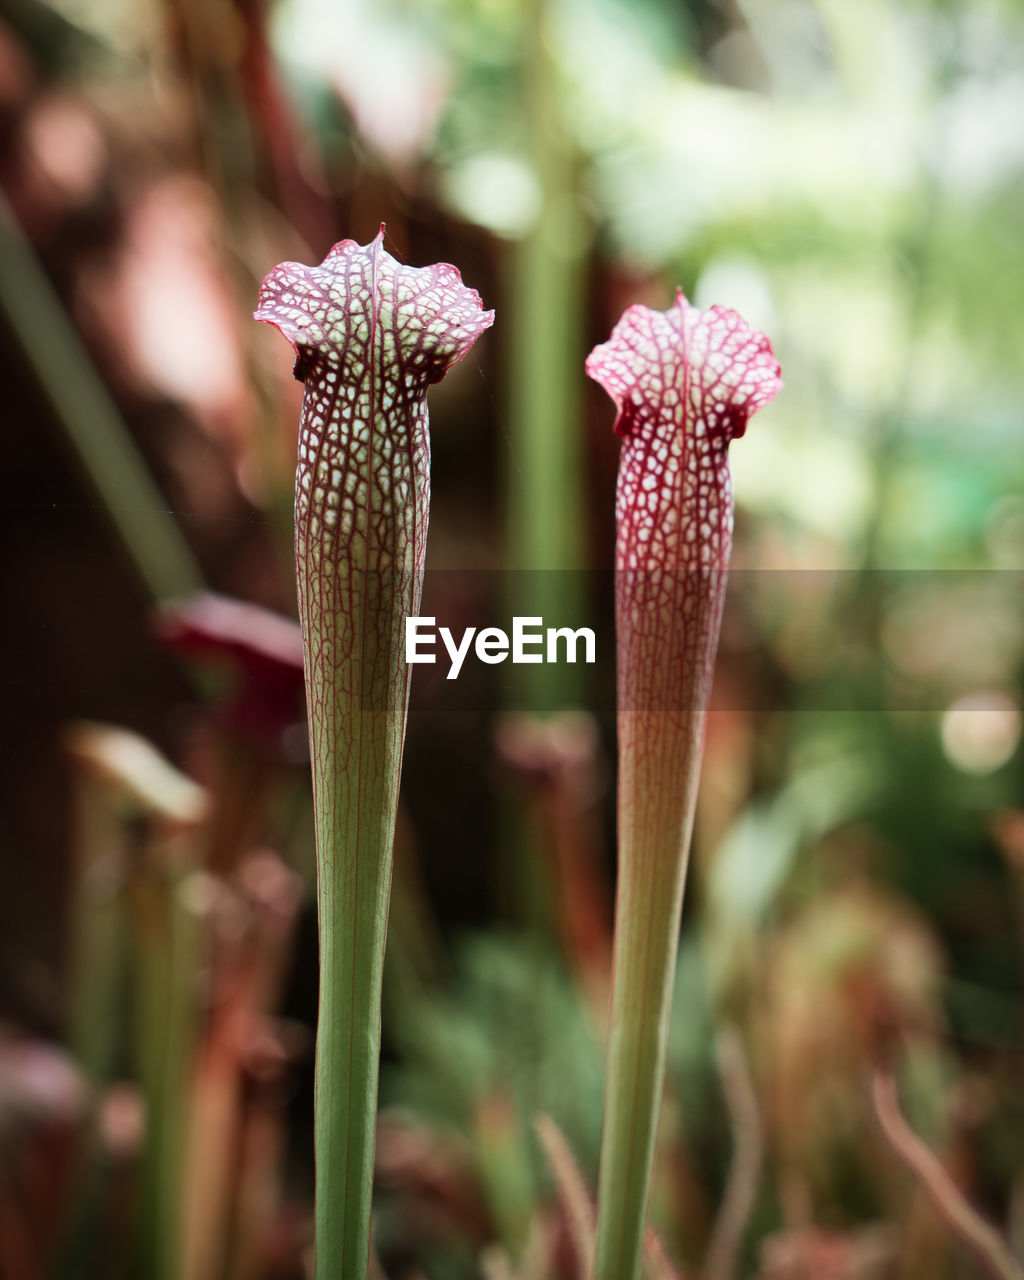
[{"x": 848, "y": 178}]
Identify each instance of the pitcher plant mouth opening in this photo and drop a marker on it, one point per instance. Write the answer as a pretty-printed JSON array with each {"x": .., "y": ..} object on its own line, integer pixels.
[
  {"x": 370, "y": 336},
  {"x": 685, "y": 383}
]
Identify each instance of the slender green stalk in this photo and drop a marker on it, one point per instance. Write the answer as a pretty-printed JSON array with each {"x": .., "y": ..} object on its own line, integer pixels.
[
  {"x": 98, "y": 971},
  {"x": 685, "y": 383},
  {"x": 81, "y": 406},
  {"x": 370, "y": 336},
  {"x": 545, "y": 479},
  {"x": 740, "y": 1194},
  {"x": 577, "y": 1203},
  {"x": 168, "y": 957},
  {"x": 169, "y": 950},
  {"x": 139, "y": 825},
  {"x": 98, "y": 982}
]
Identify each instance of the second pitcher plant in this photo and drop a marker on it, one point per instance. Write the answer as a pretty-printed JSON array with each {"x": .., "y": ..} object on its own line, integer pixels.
[{"x": 684, "y": 382}]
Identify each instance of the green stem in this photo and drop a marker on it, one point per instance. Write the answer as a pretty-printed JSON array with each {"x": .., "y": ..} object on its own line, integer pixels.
[
  {"x": 98, "y": 945},
  {"x": 76, "y": 398},
  {"x": 98, "y": 970},
  {"x": 357, "y": 755},
  {"x": 168, "y": 948},
  {"x": 659, "y": 751},
  {"x": 545, "y": 476}
]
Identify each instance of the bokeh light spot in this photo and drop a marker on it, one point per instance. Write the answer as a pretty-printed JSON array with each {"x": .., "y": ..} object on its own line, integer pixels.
[{"x": 981, "y": 731}]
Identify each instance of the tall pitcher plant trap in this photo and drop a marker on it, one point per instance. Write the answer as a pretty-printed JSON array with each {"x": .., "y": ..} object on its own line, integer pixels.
[{"x": 370, "y": 336}]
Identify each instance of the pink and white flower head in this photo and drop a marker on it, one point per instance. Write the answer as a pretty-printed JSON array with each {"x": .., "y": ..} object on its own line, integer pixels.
[{"x": 685, "y": 383}]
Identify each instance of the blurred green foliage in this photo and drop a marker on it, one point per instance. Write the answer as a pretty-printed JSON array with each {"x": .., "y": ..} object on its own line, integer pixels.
[{"x": 850, "y": 177}]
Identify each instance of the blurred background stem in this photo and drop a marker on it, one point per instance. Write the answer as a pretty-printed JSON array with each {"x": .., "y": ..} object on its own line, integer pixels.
[
  {"x": 73, "y": 394},
  {"x": 168, "y": 947},
  {"x": 545, "y": 479},
  {"x": 544, "y": 482}
]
